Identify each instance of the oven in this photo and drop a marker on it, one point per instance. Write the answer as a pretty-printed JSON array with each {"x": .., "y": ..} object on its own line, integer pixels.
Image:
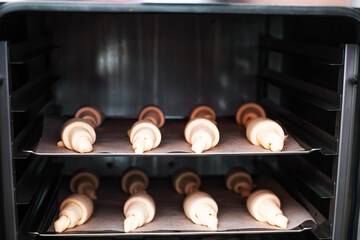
[{"x": 300, "y": 63}]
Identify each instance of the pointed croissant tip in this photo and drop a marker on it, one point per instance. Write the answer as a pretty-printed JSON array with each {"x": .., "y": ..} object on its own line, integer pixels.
[
  {"x": 138, "y": 146},
  {"x": 276, "y": 146},
  {"x": 61, "y": 224},
  {"x": 281, "y": 221},
  {"x": 138, "y": 150},
  {"x": 130, "y": 223},
  {"x": 212, "y": 222},
  {"x": 84, "y": 145},
  {"x": 197, "y": 150},
  {"x": 197, "y": 147}
]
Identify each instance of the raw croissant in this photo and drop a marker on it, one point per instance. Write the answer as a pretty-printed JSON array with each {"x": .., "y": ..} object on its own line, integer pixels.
[
  {"x": 145, "y": 134},
  {"x": 154, "y": 114},
  {"x": 77, "y": 134},
  {"x": 138, "y": 210},
  {"x": 202, "y": 209},
  {"x": 92, "y": 114},
  {"x": 85, "y": 183},
  {"x": 134, "y": 180},
  {"x": 74, "y": 210},
  {"x": 267, "y": 133},
  {"x": 140, "y": 206},
  {"x": 248, "y": 112},
  {"x": 259, "y": 129},
  {"x": 239, "y": 181},
  {"x": 198, "y": 206},
  {"x": 201, "y": 131},
  {"x": 186, "y": 181},
  {"x": 203, "y": 111},
  {"x": 264, "y": 206}
]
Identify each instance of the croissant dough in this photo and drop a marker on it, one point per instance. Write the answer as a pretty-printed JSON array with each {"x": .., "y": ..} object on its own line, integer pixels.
[
  {"x": 264, "y": 206},
  {"x": 259, "y": 129},
  {"x": 248, "y": 112},
  {"x": 202, "y": 209},
  {"x": 144, "y": 136},
  {"x": 186, "y": 181},
  {"x": 201, "y": 131},
  {"x": 138, "y": 210},
  {"x": 267, "y": 133},
  {"x": 92, "y": 114},
  {"x": 77, "y": 134},
  {"x": 239, "y": 181},
  {"x": 202, "y": 134},
  {"x": 134, "y": 180},
  {"x": 86, "y": 183},
  {"x": 74, "y": 210},
  {"x": 203, "y": 111},
  {"x": 154, "y": 114},
  {"x": 198, "y": 206}
]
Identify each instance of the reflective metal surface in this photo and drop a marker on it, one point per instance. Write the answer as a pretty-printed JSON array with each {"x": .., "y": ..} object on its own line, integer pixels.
[
  {"x": 123, "y": 62},
  {"x": 347, "y": 126},
  {"x": 7, "y": 208},
  {"x": 262, "y": 2}
]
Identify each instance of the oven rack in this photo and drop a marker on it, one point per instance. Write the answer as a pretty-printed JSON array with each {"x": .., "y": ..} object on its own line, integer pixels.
[
  {"x": 112, "y": 140},
  {"x": 107, "y": 219}
]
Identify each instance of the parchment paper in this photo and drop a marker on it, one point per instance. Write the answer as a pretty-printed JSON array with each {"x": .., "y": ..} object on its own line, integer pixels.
[
  {"x": 113, "y": 140},
  {"x": 232, "y": 215}
]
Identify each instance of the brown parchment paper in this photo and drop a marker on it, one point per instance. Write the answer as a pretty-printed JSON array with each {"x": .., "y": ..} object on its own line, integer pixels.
[
  {"x": 113, "y": 140},
  {"x": 232, "y": 215}
]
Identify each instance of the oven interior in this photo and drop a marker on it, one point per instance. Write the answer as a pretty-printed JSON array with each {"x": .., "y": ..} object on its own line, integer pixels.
[{"x": 293, "y": 65}]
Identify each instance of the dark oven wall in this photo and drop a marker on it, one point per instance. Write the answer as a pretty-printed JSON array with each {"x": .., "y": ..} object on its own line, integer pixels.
[{"x": 124, "y": 61}]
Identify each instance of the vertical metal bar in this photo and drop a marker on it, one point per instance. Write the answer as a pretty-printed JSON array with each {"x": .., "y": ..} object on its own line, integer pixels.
[
  {"x": 156, "y": 59},
  {"x": 345, "y": 156},
  {"x": 6, "y": 158}
]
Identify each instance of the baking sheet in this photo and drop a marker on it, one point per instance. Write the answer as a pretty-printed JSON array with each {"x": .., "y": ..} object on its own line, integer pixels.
[
  {"x": 113, "y": 140},
  {"x": 233, "y": 216}
]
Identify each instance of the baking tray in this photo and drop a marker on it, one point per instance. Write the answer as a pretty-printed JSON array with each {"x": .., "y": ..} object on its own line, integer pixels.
[
  {"x": 112, "y": 140},
  {"x": 107, "y": 219}
]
